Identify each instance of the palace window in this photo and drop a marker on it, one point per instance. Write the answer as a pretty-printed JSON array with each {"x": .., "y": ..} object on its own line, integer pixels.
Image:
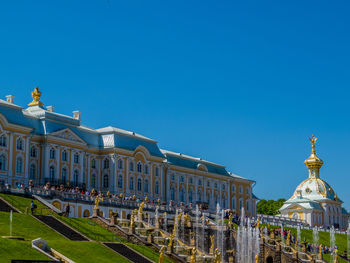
[
  {"x": 172, "y": 193},
  {"x": 247, "y": 205},
  {"x": 120, "y": 181},
  {"x": 52, "y": 173},
  {"x": 208, "y": 184},
  {"x": 182, "y": 179},
  {"x": 120, "y": 164},
  {"x": 131, "y": 166},
  {"x": 240, "y": 189},
  {"x": 93, "y": 181},
  {"x": 64, "y": 175},
  {"x": 190, "y": 181},
  {"x": 93, "y": 164},
  {"x": 233, "y": 188},
  {"x": 76, "y": 177},
  {"x": 156, "y": 188},
  {"x": 233, "y": 203},
  {"x": 139, "y": 185},
  {"x": 131, "y": 183},
  {"x": 216, "y": 199},
  {"x": 3, "y": 140},
  {"x": 106, "y": 163},
  {"x": 19, "y": 165},
  {"x": 199, "y": 196},
  {"x": 247, "y": 191},
  {"x": 223, "y": 187},
  {"x": 182, "y": 195},
  {"x": 2, "y": 162},
  {"x": 105, "y": 181},
  {"x": 199, "y": 182},
  {"x": 172, "y": 177},
  {"x": 139, "y": 167},
  {"x": 190, "y": 196},
  {"x": 208, "y": 198},
  {"x": 32, "y": 171},
  {"x": 146, "y": 186},
  {"x": 76, "y": 158},
  {"x": 156, "y": 171},
  {"x": 240, "y": 204},
  {"x": 146, "y": 169},
  {"x": 216, "y": 186},
  {"x": 19, "y": 143},
  {"x": 33, "y": 152},
  {"x": 52, "y": 153},
  {"x": 64, "y": 156}
]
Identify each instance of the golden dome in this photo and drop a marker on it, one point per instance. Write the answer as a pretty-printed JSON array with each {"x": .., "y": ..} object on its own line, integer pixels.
[{"x": 313, "y": 161}]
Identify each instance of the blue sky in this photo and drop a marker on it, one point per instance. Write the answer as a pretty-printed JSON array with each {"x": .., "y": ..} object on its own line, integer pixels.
[{"x": 241, "y": 83}]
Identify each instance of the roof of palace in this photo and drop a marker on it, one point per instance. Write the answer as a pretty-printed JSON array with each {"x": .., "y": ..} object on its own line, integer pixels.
[
  {"x": 303, "y": 202},
  {"x": 45, "y": 122}
]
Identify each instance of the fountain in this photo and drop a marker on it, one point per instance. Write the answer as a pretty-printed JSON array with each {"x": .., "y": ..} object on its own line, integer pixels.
[
  {"x": 332, "y": 243},
  {"x": 197, "y": 226},
  {"x": 10, "y": 225},
  {"x": 315, "y": 239},
  {"x": 298, "y": 237}
]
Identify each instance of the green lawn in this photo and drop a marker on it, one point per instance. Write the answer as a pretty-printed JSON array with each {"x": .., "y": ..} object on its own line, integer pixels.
[{"x": 85, "y": 226}]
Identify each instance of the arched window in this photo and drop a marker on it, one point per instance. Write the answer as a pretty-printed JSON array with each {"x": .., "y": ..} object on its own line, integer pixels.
[
  {"x": 52, "y": 153},
  {"x": 93, "y": 164},
  {"x": 233, "y": 188},
  {"x": 76, "y": 158},
  {"x": 146, "y": 186},
  {"x": 247, "y": 205},
  {"x": 120, "y": 181},
  {"x": 76, "y": 177},
  {"x": 216, "y": 198},
  {"x": 172, "y": 193},
  {"x": 19, "y": 165},
  {"x": 3, "y": 140},
  {"x": 240, "y": 204},
  {"x": 2, "y": 162},
  {"x": 223, "y": 187},
  {"x": 131, "y": 183},
  {"x": 156, "y": 188},
  {"x": 182, "y": 195},
  {"x": 139, "y": 167},
  {"x": 223, "y": 201},
  {"x": 33, "y": 152},
  {"x": 208, "y": 198},
  {"x": 240, "y": 189},
  {"x": 105, "y": 181},
  {"x": 64, "y": 175},
  {"x": 131, "y": 166},
  {"x": 139, "y": 185},
  {"x": 106, "y": 164},
  {"x": 199, "y": 196},
  {"x": 120, "y": 164},
  {"x": 247, "y": 191},
  {"x": 19, "y": 143},
  {"x": 93, "y": 181},
  {"x": 156, "y": 171},
  {"x": 32, "y": 172},
  {"x": 234, "y": 203},
  {"x": 190, "y": 196},
  {"x": 52, "y": 172},
  {"x": 182, "y": 179},
  {"x": 199, "y": 182},
  {"x": 64, "y": 156},
  {"x": 146, "y": 169}
]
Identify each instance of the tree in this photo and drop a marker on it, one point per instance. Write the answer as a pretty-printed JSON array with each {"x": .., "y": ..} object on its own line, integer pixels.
[{"x": 270, "y": 207}]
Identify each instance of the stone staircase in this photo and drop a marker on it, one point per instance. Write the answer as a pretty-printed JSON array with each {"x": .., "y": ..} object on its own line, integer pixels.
[
  {"x": 61, "y": 228},
  {"x": 125, "y": 251}
]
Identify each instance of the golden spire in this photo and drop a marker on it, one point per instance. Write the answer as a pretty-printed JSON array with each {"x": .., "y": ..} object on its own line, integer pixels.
[
  {"x": 313, "y": 162},
  {"x": 36, "y": 94}
]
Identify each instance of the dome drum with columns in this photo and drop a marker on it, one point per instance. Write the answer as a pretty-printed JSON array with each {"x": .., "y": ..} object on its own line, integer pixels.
[{"x": 314, "y": 200}]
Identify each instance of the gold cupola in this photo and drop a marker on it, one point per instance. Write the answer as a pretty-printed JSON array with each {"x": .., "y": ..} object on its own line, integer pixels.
[
  {"x": 36, "y": 94},
  {"x": 313, "y": 162}
]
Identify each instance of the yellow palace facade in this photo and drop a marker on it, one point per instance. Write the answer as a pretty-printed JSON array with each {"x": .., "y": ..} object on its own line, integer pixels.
[{"x": 39, "y": 144}]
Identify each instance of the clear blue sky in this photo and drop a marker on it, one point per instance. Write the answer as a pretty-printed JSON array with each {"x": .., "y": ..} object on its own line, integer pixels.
[{"x": 241, "y": 83}]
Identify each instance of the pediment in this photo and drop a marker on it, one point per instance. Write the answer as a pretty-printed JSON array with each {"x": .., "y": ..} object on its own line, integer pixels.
[{"x": 68, "y": 135}]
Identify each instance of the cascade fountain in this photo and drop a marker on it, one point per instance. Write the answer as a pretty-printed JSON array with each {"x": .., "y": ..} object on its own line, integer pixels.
[
  {"x": 197, "y": 227},
  {"x": 156, "y": 218},
  {"x": 298, "y": 237},
  {"x": 282, "y": 239},
  {"x": 203, "y": 231},
  {"x": 332, "y": 242},
  {"x": 315, "y": 239}
]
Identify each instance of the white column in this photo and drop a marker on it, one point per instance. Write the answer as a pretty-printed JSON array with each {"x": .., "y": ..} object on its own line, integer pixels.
[{"x": 10, "y": 159}]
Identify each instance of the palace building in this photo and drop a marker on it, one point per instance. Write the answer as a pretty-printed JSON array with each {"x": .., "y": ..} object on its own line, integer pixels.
[
  {"x": 314, "y": 200},
  {"x": 39, "y": 144}
]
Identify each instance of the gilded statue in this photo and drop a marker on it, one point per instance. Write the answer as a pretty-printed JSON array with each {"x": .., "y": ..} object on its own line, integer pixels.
[
  {"x": 257, "y": 258},
  {"x": 170, "y": 244},
  {"x": 320, "y": 252},
  {"x": 336, "y": 258},
  {"x": 212, "y": 242},
  {"x": 193, "y": 257},
  {"x": 97, "y": 201},
  {"x": 161, "y": 254},
  {"x": 217, "y": 256},
  {"x": 258, "y": 223},
  {"x": 36, "y": 94},
  {"x": 141, "y": 208},
  {"x": 230, "y": 217}
]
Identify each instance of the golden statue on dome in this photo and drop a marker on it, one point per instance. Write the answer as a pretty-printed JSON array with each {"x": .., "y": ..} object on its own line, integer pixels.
[{"x": 36, "y": 94}]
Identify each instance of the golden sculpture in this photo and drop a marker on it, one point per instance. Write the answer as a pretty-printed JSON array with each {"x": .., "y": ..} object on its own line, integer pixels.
[
  {"x": 288, "y": 238},
  {"x": 170, "y": 244},
  {"x": 212, "y": 242},
  {"x": 217, "y": 256},
  {"x": 193, "y": 257},
  {"x": 320, "y": 252},
  {"x": 161, "y": 254},
  {"x": 36, "y": 94},
  {"x": 257, "y": 258},
  {"x": 336, "y": 258},
  {"x": 97, "y": 201},
  {"x": 258, "y": 223},
  {"x": 230, "y": 217},
  {"x": 141, "y": 208}
]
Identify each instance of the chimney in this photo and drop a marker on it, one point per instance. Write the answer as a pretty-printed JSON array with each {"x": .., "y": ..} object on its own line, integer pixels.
[
  {"x": 50, "y": 108},
  {"x": 77, "y": 115},
  {"x": 10, "y": 98}
]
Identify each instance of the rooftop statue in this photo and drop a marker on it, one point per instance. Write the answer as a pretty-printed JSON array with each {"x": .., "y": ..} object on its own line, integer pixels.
[{"x": 36, "y": 94}]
